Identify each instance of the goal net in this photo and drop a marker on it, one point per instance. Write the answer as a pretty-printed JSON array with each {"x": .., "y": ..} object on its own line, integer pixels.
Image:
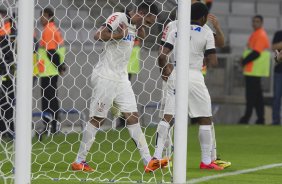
[{"x": 57, "y": 133}]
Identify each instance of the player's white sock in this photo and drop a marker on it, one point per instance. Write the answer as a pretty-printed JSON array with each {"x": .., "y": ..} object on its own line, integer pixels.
[
  {"x": 162, "y": 135},
  {"x": 139, "y": 138},
  {"x": 205, "y": 138},
  {"x": 213, "y": 152},
  {"x": 88, "y": 138},
  {"x": 168, "y": 144}
]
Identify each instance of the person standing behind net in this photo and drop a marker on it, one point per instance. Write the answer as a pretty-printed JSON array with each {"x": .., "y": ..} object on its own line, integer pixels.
[
  {"x": 202, "y": 43},
  {"x": 277, "y": 87},
  {"x": 50, "y": 65},
  {"x": 256, "y": 64},
  {"x": 111, "y": 84},
  {"x": 7, "y": 70}
]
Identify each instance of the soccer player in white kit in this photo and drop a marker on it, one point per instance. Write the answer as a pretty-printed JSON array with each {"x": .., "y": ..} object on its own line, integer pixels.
[
  {"x": 110, "y": 81},
  {"x": 202, "y": 42},
  {"x": 219, "y": 42}
]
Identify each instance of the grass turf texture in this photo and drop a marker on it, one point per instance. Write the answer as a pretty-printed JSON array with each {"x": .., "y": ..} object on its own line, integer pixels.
[{"x": 116, "y": 157}]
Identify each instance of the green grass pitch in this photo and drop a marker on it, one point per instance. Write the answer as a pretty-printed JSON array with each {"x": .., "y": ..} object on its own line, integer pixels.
[{"x": 115, "y": 157}]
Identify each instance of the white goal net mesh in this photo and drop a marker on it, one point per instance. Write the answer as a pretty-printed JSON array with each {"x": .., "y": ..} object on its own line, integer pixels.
[{"x": 57, "y": 133}]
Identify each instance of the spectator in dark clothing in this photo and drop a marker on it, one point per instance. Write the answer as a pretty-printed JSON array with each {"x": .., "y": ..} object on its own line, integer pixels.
[
  {"x": 276, "y": 106},
  {"x": 7, "y": 69},
  {"x": 255, "y": 66}
]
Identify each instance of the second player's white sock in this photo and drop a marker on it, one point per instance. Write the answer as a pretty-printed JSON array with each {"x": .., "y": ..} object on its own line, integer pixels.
[
  {"x": 205, "y": 138},
  {"x": 139, "y": 138},
  {"x": 88, "y": 138},
  {"x": 168, "y": 146},
  {"x": 162, "y": 135},
  {"x": 213, "y": 151}
]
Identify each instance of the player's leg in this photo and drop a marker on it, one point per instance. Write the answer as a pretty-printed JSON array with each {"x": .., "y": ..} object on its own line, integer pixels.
[
  {"x": 168, "y": 111},
  {"x": 137, "y": 135},
  {"x": 162, "y": 135},
  {"x": 101, "y": 101},
  {"x": 200, "y": 108},
  {"x": 126, "y": 102},
  {"x": 214, "y": 156}
]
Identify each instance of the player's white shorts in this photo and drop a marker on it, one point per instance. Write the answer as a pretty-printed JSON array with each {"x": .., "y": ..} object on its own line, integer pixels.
[
  {"x": 199, "y": 101},
  {"x": 105, "y": 92}
]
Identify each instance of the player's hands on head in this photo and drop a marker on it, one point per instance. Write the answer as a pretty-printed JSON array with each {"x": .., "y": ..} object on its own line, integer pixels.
[
  {"x": 123, "y": 30},
  {"x": 213, "y": 19}
]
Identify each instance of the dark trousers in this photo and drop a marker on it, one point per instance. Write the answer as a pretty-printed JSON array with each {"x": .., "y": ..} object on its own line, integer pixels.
[
  {"x": 50, "y": 101},
  {"x": 276, "y": 106},
  {"x": 7, "y": 98},
  {"x": 254, "y": 99}
]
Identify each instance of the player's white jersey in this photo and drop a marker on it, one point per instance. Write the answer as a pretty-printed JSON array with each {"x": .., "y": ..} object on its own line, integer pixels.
[
  {"x": 114, "y": 59},
  {"x": 173, "y": 25},
  {"x": 201, "y": 41}
]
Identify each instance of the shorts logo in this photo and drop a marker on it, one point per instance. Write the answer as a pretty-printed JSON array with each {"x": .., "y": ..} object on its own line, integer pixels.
[{"x": 101, "y": 107}]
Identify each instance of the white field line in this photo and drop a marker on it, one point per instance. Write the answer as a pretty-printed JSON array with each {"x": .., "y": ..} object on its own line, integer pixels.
[
  {"x": 207, "y": 178},
  {"x": 42, "y": 149}
]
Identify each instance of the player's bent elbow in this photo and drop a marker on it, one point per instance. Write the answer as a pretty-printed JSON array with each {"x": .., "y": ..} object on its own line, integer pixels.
[{"x": 97, "y": 35}]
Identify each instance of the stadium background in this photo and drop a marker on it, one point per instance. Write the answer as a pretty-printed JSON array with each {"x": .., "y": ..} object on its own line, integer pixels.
[{"x": 78, "y": 20}]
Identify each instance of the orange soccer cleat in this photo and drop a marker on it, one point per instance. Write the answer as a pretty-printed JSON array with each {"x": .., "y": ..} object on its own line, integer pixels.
[
  {"x": 164, "y": 162},
  {"x": 82, "y": 166},
  {"x": 153, "y": 165}
]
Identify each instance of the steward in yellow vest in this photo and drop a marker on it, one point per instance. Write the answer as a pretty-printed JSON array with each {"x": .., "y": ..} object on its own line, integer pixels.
[
  {"x": 50, "y": 65},
  {"x": 256, "y": 64}
]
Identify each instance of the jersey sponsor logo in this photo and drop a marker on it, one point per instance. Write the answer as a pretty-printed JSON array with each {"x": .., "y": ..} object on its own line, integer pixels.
[
  {"x": 129, "y": 38},
  {"x": 112, "y": 19},
  {"x": 198, "y": 29}
]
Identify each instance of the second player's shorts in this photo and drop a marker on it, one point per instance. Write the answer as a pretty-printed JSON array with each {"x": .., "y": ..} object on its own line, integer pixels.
[
  {"x": 106, "y": 91},
  {"x": 199, "y": 101}
]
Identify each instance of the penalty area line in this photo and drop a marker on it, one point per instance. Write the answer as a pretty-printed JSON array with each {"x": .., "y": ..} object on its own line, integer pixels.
[{"x": 234, "y": 173}]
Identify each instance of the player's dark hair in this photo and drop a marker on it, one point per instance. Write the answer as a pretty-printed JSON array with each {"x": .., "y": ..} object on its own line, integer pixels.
[
  {"x": 148, "y": 7},
  {"x": 258, "y": 17},
  {"x": 50, "y": 13},
  {"x": 199, "y": 10}
]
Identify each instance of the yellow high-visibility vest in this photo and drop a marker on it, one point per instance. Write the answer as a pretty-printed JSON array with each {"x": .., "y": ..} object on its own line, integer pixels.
[
  {"x": 259, "y": 67},
  {"x": 45, "y": 66}
]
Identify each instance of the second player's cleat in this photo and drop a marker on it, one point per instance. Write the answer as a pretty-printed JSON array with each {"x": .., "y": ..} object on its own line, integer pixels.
[
  {"x": 164, "y": 161},
  {"x": 211, "y": 166},
  {"x": 153, "y": 165},
  {"x": 83, "y": 166},
  {"x": 222, "y": 163}
]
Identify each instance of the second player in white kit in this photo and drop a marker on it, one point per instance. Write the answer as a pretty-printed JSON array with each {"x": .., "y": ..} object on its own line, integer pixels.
[{"x": 202, "y": 42}]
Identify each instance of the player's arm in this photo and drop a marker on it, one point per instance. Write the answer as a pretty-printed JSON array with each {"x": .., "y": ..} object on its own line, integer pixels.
[
  {"x": 211, "y": 58},
  {"x": 105, "y": 33},
  {"x": 163, "y": 60},
  {"x": 210, "y": 52},
  {"x": 219, "y": 35},
  {"x": 278, "y": 57}
]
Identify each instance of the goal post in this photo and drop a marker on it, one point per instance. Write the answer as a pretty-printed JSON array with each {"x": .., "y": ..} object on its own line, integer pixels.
[
  {"x": 24, "y": 92},
  {"x": 181, "y": 116},
  {"x": 42, "y": 155}
]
